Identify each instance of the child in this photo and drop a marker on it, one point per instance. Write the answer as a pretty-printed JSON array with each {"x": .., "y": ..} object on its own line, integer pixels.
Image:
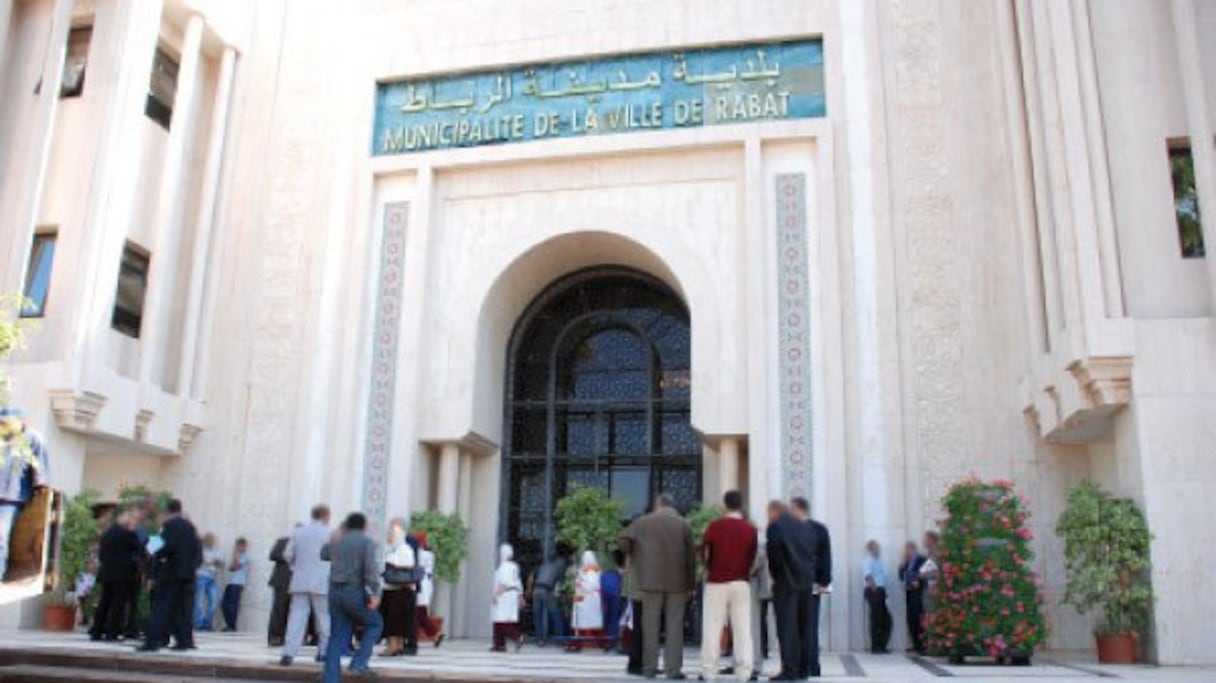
[{"x": 238, "y": 575}]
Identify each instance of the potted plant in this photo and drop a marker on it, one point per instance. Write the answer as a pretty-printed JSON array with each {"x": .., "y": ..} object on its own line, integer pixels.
[
  {"x": 589, "y": 519},
  {"x": 1106, "y": 560},
  {"x": 78, "y": 534},
  {"x": 987, "y": 598},
  {"x": 447, "y": 537}
]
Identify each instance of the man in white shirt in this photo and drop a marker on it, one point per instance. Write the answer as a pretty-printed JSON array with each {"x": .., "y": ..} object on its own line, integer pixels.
[{"x": 309, "y": 585}]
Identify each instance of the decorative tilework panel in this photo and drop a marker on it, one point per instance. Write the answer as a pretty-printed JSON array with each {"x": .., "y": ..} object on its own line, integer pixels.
[
  {"x": 381, "y": 393},
  {"x": 794, "y": 335}
]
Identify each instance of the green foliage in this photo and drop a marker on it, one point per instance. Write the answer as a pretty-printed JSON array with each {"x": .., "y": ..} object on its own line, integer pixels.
[
  {"x": 987, "y": 598},
  {"x": 700, "y": 517},
  {"x": 1106, "y": 557},
  {"x": 447, "y": 537},
  {"x": 12, "y": 338},
  {"x": 79, "y": 532},
  {"x": 144, "y": 497},
  {"x": 1186, "y": 203},
  {"x": 589, "y": 519}
]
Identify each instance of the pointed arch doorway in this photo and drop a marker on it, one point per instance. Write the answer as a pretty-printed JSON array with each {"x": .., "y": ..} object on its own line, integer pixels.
[{"x": 598, "y": 393}]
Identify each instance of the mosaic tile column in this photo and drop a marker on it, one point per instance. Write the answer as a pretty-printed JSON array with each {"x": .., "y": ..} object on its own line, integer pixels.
[
  {"x": 794, "y": 335},
  {"x": 381, "y": 392}
]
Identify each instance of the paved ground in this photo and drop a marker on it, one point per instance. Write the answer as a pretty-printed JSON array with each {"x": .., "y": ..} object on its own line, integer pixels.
[{"x": 470, "y": 660}]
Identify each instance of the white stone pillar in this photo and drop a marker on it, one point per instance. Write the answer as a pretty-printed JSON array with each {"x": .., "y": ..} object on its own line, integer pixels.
[
  {"x": 447, "y": 496},
  {"x": 204, "y": 228},
  {"x": 6, "y": 20},
  {"x": 728, "y": 464},
  {"x": 24, "y": 196},
  {"x": 112, "y": 182},
  {"x": 460, "y": 610},
  {"x": 1190, "y": 68},
  {"x": 168, "y": 218}
]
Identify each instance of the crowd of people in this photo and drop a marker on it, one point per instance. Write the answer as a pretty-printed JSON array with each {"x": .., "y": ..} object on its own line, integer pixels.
[
  {"x": 344, "y": 592},
  {"x": 917, "y": 575},
  {"x": 640, "y": 602}
]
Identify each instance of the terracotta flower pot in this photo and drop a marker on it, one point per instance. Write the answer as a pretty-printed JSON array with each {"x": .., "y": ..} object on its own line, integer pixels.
[
  {"x": 1116, "y": 648},
  {"x": 58, "y": 618}
]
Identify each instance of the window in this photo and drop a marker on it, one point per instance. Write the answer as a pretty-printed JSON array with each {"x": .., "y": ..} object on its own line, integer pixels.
[
  {"x": 38, "y": 275},
  {"x": 162, "y": 88},
  {"x": 74, "y": 63},
  {"x": 1186, "y": 200},
  {"x": 132, "y": 286},
  {"x": 598, "y": 394}
]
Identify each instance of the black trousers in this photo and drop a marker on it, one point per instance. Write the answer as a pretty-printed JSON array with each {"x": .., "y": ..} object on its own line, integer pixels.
[
  {"x": 132, "y": 628},
  {"x": 635, "y": 644},
  {"x": 276, "y": 628},
  {"x": 880, "y": 618},
  {"x": 111, "y": 615},
  {"x": 171, "y": 601},
  {"x": 797, "y": 613},
  {"x": 764, "y": 607},
  {"x": 916, "y": 618}
]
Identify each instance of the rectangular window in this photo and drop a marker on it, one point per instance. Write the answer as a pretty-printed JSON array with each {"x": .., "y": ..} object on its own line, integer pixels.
[
  {"x": 75, "y": 61},
  {"x": 1186, "y": 200},
  {"x": 162, "y": 88},
  {"x": 132, "y": 287},
  {"x": 38, "y": 275}
]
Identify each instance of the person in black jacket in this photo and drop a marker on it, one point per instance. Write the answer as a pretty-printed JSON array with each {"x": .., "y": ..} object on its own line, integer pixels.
[
  {"x": 118, "y": 553},
  {"x": 173, "y": 566},
  {"x": 799, "y": 557},
  {"x": 280, "y": 581},
  {"x": 801, "y": 509},
  {"x": 791, "y": 560}
]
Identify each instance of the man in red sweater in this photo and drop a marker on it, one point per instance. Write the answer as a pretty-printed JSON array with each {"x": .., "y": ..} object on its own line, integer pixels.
[{"x": 729, "y": 549}]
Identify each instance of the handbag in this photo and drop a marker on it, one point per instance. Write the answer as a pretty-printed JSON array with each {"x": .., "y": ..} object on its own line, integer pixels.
[{"x": 399, "y": 576}]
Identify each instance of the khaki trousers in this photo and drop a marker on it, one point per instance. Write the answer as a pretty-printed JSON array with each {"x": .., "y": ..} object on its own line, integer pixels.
[
  {"x": 725, "y": 601},
  {"x": 668, "y": 607}
]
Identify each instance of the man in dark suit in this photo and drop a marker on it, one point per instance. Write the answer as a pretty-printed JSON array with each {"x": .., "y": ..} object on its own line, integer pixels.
[
  {"x": 280, "y": 582},
  {"x": 117, "y": 553},
  {"x": 801, "y": 510},
  {"x": 173, "y": 566},
  {"x": 791, "y": 560}
]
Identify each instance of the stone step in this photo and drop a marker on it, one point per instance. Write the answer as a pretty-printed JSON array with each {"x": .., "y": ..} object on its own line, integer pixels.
[
  {"x": 66, "y": 674},
  {"x": 91, "y": 667}
]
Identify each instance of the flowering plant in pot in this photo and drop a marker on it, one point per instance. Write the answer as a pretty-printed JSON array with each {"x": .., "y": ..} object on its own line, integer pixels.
[
  {"x": 987, "y": 599},
  {"x": 1106, "y": 559}
]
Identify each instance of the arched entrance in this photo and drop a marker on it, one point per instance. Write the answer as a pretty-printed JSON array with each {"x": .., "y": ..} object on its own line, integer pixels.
[{"x": 598, "y": 393}]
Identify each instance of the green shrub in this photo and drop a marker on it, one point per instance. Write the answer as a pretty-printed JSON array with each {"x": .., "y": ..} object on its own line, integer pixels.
[
  {"x": 1106, "y": 558},
  {"x": 589, "y": 519},
  {"x": 447, "y": 537}
]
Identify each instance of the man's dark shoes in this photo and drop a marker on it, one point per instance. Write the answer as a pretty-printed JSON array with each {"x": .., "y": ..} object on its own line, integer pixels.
[
  {"x": 364, "y": 672},
  {"x": 677, "y": 677},
  {"x": 285, "y": 661},
  {"x": 147, "y": 648}
]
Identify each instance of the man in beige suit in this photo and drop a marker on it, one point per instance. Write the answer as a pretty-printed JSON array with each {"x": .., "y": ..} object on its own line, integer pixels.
[{"x": 660, "y": 551}]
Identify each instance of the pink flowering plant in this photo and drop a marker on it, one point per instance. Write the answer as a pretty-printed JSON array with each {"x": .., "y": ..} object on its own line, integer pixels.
[{"x": 987, "y": 599}]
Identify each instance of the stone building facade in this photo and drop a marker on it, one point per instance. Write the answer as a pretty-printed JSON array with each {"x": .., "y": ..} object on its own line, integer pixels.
[{"x": 971, "y": 260}]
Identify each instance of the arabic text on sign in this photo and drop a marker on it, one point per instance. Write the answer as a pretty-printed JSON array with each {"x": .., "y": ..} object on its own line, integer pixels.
[{"x": 680, "y": 89}]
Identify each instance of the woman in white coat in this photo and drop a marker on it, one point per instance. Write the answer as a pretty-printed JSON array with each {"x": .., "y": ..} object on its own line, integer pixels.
[
  {"x": 505, "y": 601},
  {"x": 588, "y": 605}
]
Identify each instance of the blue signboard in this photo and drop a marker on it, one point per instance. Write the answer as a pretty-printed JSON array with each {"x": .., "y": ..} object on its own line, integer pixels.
[{"x": 621, "y": 94}]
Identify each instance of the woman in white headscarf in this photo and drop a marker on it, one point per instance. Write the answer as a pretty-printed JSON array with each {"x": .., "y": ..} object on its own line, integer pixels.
[
  {"x": 505, "y": 601},
  {"x": 588, "y": 607}
]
